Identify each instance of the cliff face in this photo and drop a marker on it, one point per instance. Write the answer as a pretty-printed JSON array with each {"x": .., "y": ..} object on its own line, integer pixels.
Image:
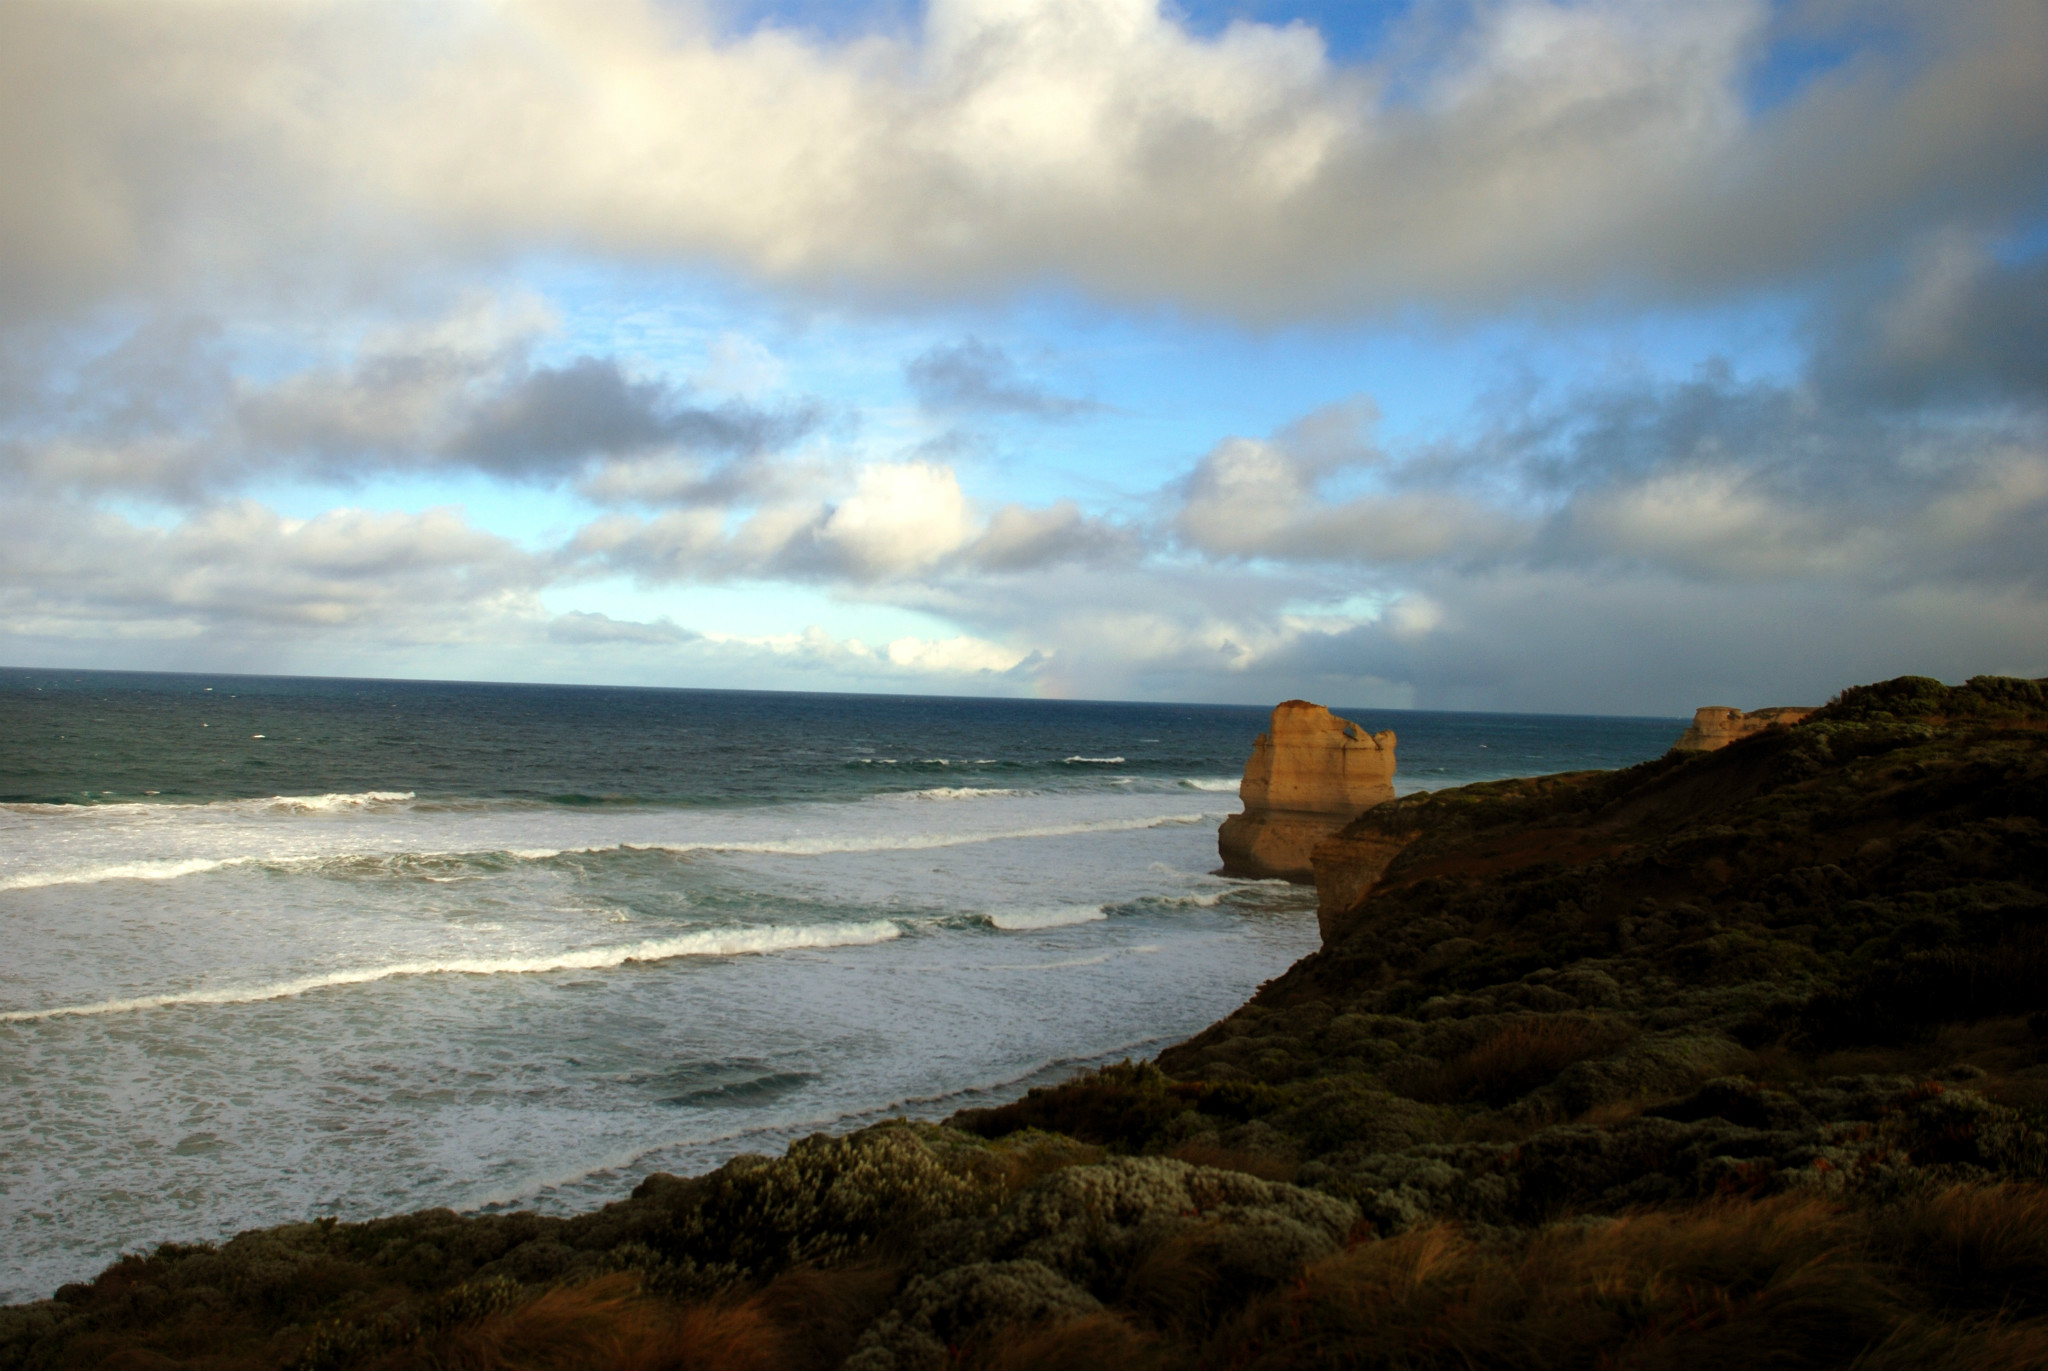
[
  {"x": 1716, "y": 726},
  {"x": 1309, "y": 775}
]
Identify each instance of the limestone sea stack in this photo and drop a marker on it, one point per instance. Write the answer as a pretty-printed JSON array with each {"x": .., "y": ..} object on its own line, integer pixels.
[
  {"x": 1716, "y": 726},
  {"x": 1310, "y": 775}
]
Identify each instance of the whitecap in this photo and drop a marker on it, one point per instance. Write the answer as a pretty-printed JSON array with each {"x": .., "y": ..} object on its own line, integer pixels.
[
  {"x": 1205, "y": 901},
  {"x": 1097, "y": 761},
  {"x": 165, "y": 870},
  {"x": 912, "y": 842},
  {"x": 332, "y": 803},
  {"x": 1220, "y": 784},
  {"x": 1060, "y": 916}
]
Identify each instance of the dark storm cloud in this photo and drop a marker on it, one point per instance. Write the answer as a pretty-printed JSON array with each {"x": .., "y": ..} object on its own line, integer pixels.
[
  {"x": 1961, "y": 326},
  {"x": 974, "y": 377}
]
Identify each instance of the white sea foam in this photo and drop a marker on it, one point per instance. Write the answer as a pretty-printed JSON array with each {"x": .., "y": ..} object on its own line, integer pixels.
[
  {"x": 815, "y": 846},
  {"x": 1096, "y": 761},
  {"x": 959, "y": 792},
  {"x": 915, "y": 842},
  {"x": 1206, "y": 901},
  {"x": 166, "y": 870},
  {"x": 1020, "y": 920},
  {"x": 1220, "y": 784},
  {"x": 334, "y": 803},
  {"x": 722, "y": 942}
]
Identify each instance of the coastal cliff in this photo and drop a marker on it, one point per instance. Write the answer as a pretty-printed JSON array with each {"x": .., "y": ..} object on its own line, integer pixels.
[
  {"x": 1736, "y": 1056},
  {"x": 1309, "y": 774},
  {"x": 1716, "y": 726}
]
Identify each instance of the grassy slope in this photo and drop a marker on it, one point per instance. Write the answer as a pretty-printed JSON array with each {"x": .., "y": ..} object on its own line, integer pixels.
[{"x": 1713, "y": 1057}]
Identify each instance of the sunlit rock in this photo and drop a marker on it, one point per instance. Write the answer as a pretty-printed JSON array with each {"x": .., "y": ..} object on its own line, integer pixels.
[
  {"x": 1309, "y": 775},
  {"x": 1716, "y": 726}
]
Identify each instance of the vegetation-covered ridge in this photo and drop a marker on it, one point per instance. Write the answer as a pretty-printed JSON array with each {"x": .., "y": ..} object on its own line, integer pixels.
[{"x": 1730, "y": 1057}]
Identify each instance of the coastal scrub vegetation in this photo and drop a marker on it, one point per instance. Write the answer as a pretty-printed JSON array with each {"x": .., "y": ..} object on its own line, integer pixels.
[{"x": 1737, "y": 1057}]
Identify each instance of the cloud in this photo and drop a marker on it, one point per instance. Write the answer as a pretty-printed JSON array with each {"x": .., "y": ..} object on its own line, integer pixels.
[
  {"x": 1253, "y": 498},
  {"x": 578, "y": 627},
  {"x": 901, "y": 517},
  {"x": 1962, "y": 327},
  {"x": 962, "y": 657},
  {"x": 898, "y": 521},
  {"x": 166, "y": 409},
  {"x": 1019, "y": 538},
  {"x": 979, "y": 378},
  {"x": 216, "y": 213},
  {"x": 1541, "y": 149},
  {"x": 243, "y": 573}
]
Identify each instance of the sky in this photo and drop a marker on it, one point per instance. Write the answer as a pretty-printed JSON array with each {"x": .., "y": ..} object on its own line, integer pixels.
[{"x": 1614, "y": 356}]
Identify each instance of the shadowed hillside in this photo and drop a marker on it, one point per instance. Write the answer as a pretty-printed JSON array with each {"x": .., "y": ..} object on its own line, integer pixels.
[{"x": 1729, "y": 1057}]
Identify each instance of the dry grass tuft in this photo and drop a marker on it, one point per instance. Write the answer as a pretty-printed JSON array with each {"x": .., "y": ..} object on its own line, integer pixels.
[
  {"x": 1093, "y": 1340},
  {"x": 1785, "y": 1282},
  {"x": 821, "y": 1314},
  {"x": 606, "y": 1322},
  {"x": 1981, "y": 1247},
  {"x": 1526, "y": 1054}
]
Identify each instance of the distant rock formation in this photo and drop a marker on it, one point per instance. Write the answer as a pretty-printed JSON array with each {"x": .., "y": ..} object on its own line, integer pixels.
[
  {"x": 1309, "y": 776},
  {"x": 1716, "y": 726}
]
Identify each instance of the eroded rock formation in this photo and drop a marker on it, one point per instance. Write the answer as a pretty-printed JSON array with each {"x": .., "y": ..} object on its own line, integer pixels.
[
  {"x": 1309, "y": 775},
  {"x": 1716, "y": 726}
]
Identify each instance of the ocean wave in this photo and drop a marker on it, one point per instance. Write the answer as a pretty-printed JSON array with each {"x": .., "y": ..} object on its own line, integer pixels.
[
  {"x": 164, "y": 870},
  {"x": 957, "y": 792},
  {"x": 335, "y": 803},
  {"x": 723, "y": 942},
  {"x": 1095, "y": 761},
  {"x": 1024, "y": 920},
  {"x": 1205, "y": 901},
  {"x": 1219, "y": 784},
  {"x": 410, "y": 861},
  {"x": 913, "y": 842}
]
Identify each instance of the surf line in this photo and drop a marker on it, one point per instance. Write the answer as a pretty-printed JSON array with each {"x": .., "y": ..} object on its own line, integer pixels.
[
  {"x": 790, "y": 847},
  {"x": 724, "y": 942}
]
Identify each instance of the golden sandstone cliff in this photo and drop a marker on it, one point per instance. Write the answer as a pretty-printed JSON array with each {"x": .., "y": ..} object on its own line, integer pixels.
[
  {"x": 1309, "y": 775},
  {"x": 1716, "y": 726}
]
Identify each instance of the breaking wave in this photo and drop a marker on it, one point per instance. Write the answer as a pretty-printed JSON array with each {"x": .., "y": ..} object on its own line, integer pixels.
[
  {"x": 1021, "y": 920},
  {"x": 724, "y": 942},
  {"x": 166, "y": 870},
  {"x": 330, "y": 804}
]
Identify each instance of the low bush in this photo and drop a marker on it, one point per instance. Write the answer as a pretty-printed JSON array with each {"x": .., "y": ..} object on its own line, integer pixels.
[{"x": 1524, "y": 1055}]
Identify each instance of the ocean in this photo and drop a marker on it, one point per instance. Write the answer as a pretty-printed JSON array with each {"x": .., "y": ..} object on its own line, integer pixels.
[{"x": 278, "y": 948}]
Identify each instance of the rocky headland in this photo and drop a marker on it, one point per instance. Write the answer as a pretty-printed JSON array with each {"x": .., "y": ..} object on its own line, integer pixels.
[
  {"x": 1716, "y": 726},
  {"x": 1736, "y": 1056}
]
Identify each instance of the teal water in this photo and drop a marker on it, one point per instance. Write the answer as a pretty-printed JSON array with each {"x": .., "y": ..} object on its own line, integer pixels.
[{"x": 282, "y": 948}]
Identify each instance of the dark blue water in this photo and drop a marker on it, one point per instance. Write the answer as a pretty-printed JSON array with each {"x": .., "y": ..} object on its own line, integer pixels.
[{"x": 81, "y": 737}]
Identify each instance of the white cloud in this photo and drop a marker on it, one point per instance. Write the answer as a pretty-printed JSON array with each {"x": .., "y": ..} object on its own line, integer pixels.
[
  {"x": 1260, "y": 498},
  {"x": 242, "y": 572},
  {"x": 961, "y": 656},
  {"x": 1544, "y": 148},
  {"x": 901, "y": 517}
]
